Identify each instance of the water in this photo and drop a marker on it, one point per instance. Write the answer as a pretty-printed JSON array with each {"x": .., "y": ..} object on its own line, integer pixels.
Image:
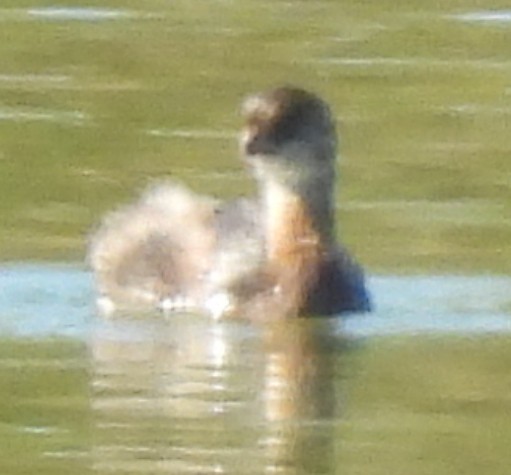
[
  {"x": 58, "y": 300},
  {"x": 184, "y": 394},
  {"x": 98, "y": 99}
]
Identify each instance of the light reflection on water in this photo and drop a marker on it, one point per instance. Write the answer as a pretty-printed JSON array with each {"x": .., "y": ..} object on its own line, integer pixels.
[
  {"x": 68, "y": 14},
  {"x": 58, "y": 300},
  {"x": 20, "y": 114},
  {"x": 81, "y": 14},
  {"x": 45, "y": 300},
  {"x": 485, "y": 16},
  {"x": 414, "y": 63}
]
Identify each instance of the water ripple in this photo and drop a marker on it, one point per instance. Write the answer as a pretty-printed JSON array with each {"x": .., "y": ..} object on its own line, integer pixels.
[
  {"x": 24, "y": 114},
  {"x": 414, "y": 62},
  {"x": 81, "y": 14},
  {"x": 485, "y": 16},
  {"x": 193, "y": 133}
]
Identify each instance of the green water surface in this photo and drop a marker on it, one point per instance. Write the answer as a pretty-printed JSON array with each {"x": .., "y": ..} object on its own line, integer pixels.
[{"x": 92, "y": 109}]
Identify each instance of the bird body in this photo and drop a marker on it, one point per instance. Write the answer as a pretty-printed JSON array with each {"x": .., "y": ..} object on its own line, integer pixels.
[{"x": 271, "y": 257}]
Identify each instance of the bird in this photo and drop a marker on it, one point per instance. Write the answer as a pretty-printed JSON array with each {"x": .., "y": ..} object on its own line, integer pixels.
[{"x": 268, "y": 257}]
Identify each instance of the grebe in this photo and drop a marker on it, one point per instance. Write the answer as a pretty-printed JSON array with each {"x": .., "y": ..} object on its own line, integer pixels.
[{"x": 274, "y": 256}]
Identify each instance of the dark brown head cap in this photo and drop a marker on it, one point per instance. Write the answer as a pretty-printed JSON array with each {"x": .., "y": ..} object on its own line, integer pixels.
[{"x": 285, "y": 114}]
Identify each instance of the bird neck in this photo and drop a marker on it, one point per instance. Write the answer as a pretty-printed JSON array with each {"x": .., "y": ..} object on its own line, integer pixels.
[{"x": 297, "y": 221}]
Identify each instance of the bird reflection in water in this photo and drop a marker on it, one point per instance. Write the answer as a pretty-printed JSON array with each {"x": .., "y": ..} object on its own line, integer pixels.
[{"x": 192, "y": 396}]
